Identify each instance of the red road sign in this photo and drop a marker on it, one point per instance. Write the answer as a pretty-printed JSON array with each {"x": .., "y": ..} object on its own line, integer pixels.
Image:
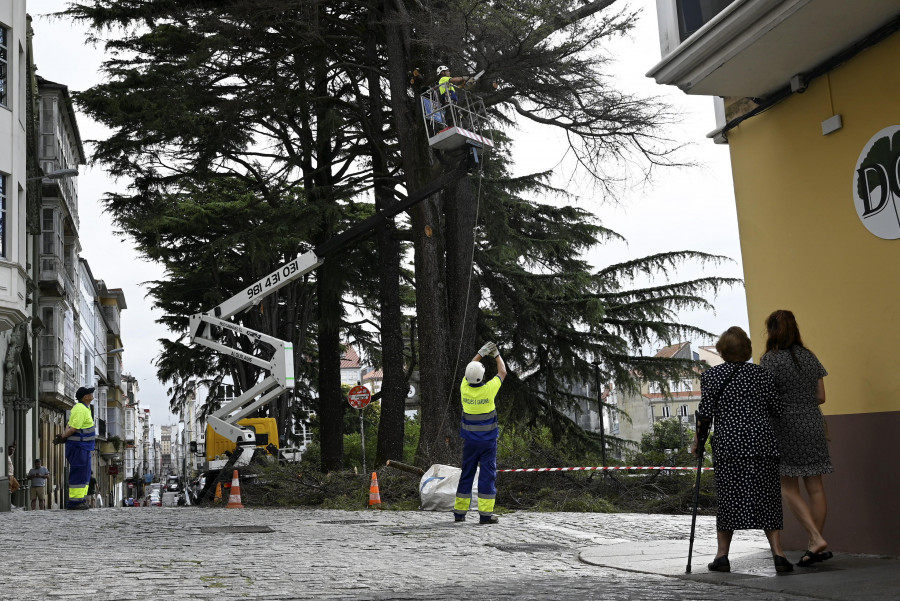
[{"x": 359, "y": 397}]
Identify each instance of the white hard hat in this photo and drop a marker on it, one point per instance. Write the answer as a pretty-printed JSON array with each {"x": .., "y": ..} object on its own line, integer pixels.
[
  {"x": 441, "y": 69},
  {"x": 474, "y": 372}
]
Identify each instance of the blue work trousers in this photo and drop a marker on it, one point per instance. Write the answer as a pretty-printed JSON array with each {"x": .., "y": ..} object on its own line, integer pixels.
[
  {"x": 79, "y": 457},
  {"x": 483, "y": 454}
]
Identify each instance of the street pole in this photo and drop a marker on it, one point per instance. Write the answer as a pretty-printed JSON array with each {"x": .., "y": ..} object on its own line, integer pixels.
[
  {"x": 362, "y": 438},
  {"x": 600, "y": 412}
]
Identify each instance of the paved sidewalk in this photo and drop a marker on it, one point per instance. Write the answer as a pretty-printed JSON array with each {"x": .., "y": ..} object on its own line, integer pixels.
[
  {"x": 278, "y": 554},
  {"x": 845, "y": 577}
]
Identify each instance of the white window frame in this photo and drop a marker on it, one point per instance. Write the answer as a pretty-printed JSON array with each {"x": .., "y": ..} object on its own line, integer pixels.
[
  {"x": 4, "y": 66},
  {"x": 4, "y": 229}
]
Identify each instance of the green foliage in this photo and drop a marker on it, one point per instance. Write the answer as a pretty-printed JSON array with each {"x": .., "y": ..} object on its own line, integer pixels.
[
  {"x": 668, "y": 443},
  {"x": 247, "y": 132},
  {"x": 411, "y": 432},
  {"x": 554, "y": 317},
  {"x": 555, "y": 499},
  {"x": 305, "y": 486}
]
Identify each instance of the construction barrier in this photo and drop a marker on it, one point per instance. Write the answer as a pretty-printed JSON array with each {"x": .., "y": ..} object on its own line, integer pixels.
[{"x": 606, "y": 468}]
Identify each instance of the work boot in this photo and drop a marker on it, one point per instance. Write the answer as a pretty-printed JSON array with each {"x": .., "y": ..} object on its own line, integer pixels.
[
  {"x": 459, "y": 517},
  {"x": 80, "y": 506},
  {"x": 488, "y": 519}
]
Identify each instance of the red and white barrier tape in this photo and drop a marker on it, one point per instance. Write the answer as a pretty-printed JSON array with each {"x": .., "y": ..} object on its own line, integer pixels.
[{"x": 608, "y": 468}]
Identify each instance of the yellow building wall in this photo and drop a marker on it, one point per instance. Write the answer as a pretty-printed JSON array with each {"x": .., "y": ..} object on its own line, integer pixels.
[{"x": 804, "y": 247}]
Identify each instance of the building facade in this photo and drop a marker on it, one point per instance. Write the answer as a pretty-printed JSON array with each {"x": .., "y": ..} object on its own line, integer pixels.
[
  {"x": 807, "y": 100},
  {"x": 18, "y": 409},
  {"x": 677, "y": 399}
]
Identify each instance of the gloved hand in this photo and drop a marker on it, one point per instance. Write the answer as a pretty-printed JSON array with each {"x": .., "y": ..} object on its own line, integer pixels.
[
  {"x": 485, "y": 350},
  {"x": 58, "y": 439},
  {"x": 495, "y": 352}
]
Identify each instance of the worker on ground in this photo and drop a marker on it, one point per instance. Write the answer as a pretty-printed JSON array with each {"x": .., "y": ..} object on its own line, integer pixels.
[
  {"x": 79, "y": 438},
  {"x": 479, "y": 431}
]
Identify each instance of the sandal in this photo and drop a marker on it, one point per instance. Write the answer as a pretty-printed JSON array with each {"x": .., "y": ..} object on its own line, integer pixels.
[
  {"x": 824, "y": 555},
  {"x": 810, "y": 557},
  {"x": 719, "y": 564},
  {"x": 782, "y": 564}
]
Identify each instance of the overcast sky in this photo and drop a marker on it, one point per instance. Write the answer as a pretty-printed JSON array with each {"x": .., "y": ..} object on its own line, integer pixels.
[{"x": 682, "y": 209}]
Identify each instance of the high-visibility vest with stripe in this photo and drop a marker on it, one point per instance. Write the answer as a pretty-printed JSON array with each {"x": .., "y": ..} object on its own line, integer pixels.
[
  {"x": 83, "y": 422},
  {"x": 445, "y": 86},
  {"x": 479, "y": 417}
]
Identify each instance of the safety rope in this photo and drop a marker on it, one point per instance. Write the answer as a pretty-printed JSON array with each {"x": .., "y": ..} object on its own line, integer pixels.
[
  {"x": 462, "y": 323},
  {"x": 604, "y": 468}
]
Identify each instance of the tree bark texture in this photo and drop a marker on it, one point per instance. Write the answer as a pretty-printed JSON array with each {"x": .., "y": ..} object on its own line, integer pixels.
[
  {"x": 427, "y": 232},
  {"x": 394, "y": 385}
]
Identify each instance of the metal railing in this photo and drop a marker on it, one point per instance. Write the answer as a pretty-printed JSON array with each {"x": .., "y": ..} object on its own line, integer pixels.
[{"x": 441, "y": 112}]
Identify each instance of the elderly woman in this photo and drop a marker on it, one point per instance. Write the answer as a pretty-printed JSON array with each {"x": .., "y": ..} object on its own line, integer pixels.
[
  {"x": 738, "y": 399},
  {"x": 802, "y": 442}
]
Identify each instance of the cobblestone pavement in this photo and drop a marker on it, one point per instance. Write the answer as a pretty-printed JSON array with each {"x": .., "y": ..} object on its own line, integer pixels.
[{"x": 187, "y": 553}]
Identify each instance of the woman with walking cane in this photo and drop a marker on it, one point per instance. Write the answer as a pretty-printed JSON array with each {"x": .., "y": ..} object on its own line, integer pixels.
[{"x": 738, "y": 399}]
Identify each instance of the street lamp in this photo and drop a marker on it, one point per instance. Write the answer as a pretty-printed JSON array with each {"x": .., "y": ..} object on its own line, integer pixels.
[
  {"x": 114, "y": 351},
  {"x": 55, "y": 175}
]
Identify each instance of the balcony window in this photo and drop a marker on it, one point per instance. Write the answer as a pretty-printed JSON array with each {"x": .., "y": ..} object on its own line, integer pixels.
[
  {"x": 3, "y": 179},
  {"x": 4, "y": 66},
  {"x": 665, "y": 411},
  {"x": 48, "y": 130},
  {"x": 694, "y": 14}
]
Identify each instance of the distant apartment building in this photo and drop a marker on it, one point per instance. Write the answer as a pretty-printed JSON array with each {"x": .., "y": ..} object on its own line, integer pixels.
[
  {"x": 675, "y": 399},
  {"x": 71, "y": 338},
  {"x": 165, "y": 446}
]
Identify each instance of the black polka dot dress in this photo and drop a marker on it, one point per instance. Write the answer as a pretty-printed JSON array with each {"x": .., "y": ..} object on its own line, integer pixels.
[
  {"x": 745, "y": 453},
  {"x": 802, "y": 442}
]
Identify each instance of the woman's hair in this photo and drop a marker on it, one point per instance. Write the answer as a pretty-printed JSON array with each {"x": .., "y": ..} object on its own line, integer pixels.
[
  {"x": 734, "y": 345},
  {"x": 782, "y": 331}
]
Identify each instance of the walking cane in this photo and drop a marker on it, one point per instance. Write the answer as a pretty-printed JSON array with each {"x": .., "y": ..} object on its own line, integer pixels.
[{"x": 702, "y": 432}]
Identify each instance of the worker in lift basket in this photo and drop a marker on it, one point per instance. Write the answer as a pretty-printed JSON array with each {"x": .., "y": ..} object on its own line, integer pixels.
[
  {"x": 479, "y": 433},
  {"x": 445, "y": 83},
  {"x": 79, "y": 438}
]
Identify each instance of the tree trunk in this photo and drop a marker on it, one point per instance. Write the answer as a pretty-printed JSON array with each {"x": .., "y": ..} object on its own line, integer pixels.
[
  {"x": 331, "y": 399},
  {"x": 463, "y": 289},
  {"x": 394, "y": 385},
  {"x": 435, "y": 444}
]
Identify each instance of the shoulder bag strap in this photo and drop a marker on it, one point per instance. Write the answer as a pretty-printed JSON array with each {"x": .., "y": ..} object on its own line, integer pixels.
[{"x": 728, "y": 380}]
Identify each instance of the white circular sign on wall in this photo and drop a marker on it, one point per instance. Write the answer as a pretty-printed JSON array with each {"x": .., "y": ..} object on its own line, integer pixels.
[{"x": 876, "y": 184}]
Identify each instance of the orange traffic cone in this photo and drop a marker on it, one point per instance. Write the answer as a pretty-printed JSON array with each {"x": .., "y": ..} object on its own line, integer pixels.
[
  {"x": 218, "y": 497},
  {"x": 374, "y": 496},
  {"x": 234, "y": 499}
]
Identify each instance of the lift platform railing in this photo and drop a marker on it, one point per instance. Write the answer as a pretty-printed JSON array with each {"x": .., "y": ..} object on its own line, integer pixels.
[{"x": 453, "y": 123}]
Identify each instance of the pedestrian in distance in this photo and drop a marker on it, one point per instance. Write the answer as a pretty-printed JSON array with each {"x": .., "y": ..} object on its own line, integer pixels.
[
  {"x": 738, "y": 399},
  {"x": 14, "y": 485},
  {"x": 801, "y": 434},
  {"x": 479, "y": 431},
  {"x": 38, "y": 477},
  {"x": 79, "y": 438},
  {"x": 91, "y": 498}
]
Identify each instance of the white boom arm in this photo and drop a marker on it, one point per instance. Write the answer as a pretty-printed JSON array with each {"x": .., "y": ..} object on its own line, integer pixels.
[{"x": 280, "y": 367}]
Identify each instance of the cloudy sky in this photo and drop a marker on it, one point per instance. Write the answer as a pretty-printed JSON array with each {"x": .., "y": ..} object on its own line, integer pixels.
[{"x": 691, "y": 208}]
